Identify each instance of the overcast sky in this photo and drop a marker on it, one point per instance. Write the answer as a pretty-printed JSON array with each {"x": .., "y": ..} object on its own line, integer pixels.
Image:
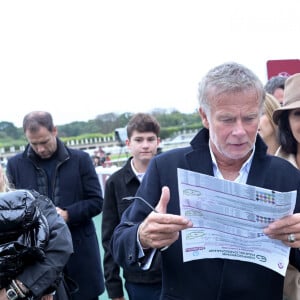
[{"x": 79, "y": 59}]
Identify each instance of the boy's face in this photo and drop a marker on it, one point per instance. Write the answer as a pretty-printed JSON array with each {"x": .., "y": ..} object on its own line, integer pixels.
[{"x": 143, "y": 145}]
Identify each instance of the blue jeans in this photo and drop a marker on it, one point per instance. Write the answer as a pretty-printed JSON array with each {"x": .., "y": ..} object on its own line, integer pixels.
[{"x": 143, "y": 291}]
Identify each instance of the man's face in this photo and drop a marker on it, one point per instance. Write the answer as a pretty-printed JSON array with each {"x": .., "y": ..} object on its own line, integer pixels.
[
  {"x": 143, "y": 145},
  {"x": 233, "y": 124},
  {"x": 43, "y": 142}
]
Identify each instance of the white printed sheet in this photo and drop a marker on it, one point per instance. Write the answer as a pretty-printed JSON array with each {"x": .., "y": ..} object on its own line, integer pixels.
[{"x": 229, "y": 218}]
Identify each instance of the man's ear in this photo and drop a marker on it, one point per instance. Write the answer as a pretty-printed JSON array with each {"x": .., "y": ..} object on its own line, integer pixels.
[
  {"x": 204, "y": 119},
  {"x": 55, "y": 131}
]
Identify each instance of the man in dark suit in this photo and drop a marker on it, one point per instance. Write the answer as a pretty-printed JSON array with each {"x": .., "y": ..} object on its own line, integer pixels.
[
  {"x": 67, "y": 176},
  {"x": 231, "y": 101}
]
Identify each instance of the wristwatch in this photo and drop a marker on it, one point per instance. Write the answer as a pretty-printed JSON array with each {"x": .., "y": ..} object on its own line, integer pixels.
[{"x": 11, "y": 294}]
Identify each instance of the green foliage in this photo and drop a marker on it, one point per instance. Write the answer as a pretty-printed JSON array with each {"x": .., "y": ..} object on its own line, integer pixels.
[
  {"x": 7, "y": 129},
  {"x": 175, "y": 118},
  {"x": 11, "y": 135},
  {"x": 169, "y": 132},
  {"x": 103, "y": 127},
  {"x": 104, "y": 124}
]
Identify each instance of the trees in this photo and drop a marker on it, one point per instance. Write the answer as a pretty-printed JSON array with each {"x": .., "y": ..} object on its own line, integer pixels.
[{"x": 105, "y": 124}]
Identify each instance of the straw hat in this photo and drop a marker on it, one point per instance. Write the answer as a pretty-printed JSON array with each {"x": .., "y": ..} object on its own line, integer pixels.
[{"x": 291, "y": 98}]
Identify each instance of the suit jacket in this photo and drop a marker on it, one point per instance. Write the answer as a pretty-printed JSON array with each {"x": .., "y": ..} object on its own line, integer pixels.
[
  {"x": 207, "y": 279},
  {"x": 76, "y": 188}
]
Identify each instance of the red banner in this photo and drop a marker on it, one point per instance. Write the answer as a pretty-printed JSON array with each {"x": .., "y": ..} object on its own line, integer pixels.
[{"x": 284, "y": 67}]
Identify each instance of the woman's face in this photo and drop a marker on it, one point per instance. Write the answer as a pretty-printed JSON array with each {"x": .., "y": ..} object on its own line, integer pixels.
[
  {"x": 294, "y": 120},
  {"x": 265, "y": 128}
]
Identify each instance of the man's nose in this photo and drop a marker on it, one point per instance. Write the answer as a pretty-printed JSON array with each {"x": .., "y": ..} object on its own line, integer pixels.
[
  {"x": 145, "y": 144},
  {"x": 40, "y": 148},
  {"x": 239, "y": 128}
]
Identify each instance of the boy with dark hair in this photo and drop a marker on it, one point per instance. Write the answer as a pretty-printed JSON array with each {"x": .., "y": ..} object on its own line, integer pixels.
[{"x": 142, "y": 141}]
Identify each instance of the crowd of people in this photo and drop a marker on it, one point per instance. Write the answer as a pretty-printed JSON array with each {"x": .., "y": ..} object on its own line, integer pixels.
[
  {"x": 101, "y": 158},
  {"x": 250, "y": 135}
]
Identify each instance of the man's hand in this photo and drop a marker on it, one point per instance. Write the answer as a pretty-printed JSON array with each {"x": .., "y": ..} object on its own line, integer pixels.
[
  {"x": 160, "y": 229},
  {"x": 3, "y": 294},
  {"x": 63, "y": 213},
  {"x": 286, "y": 229}
]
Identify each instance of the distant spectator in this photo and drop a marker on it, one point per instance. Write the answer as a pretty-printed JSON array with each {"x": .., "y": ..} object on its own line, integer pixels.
[
  {"x": 107, "y": 161},
  {"x": 96, "y": 161},
  {"x": 101, "y": 154},
  {"x": 275, "y": 87}
]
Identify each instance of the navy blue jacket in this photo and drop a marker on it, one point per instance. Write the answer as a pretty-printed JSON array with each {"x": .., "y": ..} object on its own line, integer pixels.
[
  {"x": 207, "y": 279},
  {"x": 76, "y": 188}
]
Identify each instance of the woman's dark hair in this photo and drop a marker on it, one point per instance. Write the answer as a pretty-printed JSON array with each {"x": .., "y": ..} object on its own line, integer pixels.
[{"x": 287, "y": 141}]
